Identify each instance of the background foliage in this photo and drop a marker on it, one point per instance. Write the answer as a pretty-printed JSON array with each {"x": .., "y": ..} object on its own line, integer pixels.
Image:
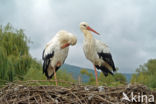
[
  {"x": 146, "y": 74},
  {"x": 15, "y": 59},
  {"x": 115, "y": 80}
]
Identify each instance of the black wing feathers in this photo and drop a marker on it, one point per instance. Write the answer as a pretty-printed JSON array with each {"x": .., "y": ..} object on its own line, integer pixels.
[
  {"x": 107, "y": 57},
  {"x": 48, "y": 56},
  {"x": 104, "y": 70},
  {"x": 43, "y": 54},
  {"x": 46, "y": 62},
  {"x": 45, "y": 66}
]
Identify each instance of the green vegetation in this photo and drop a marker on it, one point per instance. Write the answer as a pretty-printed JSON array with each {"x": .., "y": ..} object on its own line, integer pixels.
[
  {"x": 115, "y": 80},
  {"x": 90, "y": 75},
  {"x": 15, "y": 61},
  {"x": 146, "y": 74},
  {"x": 34, "y": 74}
]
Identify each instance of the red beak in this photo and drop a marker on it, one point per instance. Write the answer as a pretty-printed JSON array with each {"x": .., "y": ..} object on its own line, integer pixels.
[
  {"x": 89, "y": 28},
  {"x": 65, "y": 45}
]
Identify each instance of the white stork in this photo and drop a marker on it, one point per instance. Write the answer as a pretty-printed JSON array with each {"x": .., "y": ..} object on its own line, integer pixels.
[
  {"x": 56, "y": 52},
  {"x": 97, "y": 52}
]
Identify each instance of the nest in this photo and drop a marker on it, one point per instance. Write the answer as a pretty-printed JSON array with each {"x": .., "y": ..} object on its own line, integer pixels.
[{"x": 75, "y": 94}]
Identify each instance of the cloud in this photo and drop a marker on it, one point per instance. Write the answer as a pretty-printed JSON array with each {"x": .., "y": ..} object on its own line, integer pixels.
[{"x": 128, "y": 27}]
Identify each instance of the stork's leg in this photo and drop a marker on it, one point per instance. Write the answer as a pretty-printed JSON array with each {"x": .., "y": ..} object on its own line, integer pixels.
[
  {"x": 58, "y": 64},
  {"x": 55, "y": 76},
  {"x": 97, "y": 83}
]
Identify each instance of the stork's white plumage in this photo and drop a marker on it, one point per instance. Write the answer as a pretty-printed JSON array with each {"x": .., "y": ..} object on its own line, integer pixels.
[
  {"x": 97, "y": 52},
  {"x": 56, "y": 52}
]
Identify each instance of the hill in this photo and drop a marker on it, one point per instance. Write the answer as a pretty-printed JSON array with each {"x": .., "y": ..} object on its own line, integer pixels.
[{"x": 75, "y": 71}]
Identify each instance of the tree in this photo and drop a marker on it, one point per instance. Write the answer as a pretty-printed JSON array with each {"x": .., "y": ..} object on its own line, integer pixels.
[
  {"x": 15, "y": 59},
  {"x": 146, "y": 74}
]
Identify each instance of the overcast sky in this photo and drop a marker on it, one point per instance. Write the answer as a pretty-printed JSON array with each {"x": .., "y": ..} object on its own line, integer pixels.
[{"x": 127, "y": 26}]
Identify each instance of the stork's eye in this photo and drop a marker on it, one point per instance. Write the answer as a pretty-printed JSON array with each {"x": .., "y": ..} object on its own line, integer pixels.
[{"x": 84, "y": 25}]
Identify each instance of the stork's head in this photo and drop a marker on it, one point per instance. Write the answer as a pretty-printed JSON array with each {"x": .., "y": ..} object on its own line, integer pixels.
[
  {"x": 66, "y": 39},
  {"x": 72, "y": 40},
  {"x": 84, "y": 26}
]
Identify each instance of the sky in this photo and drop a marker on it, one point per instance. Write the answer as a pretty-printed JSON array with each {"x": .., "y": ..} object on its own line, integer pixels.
[{"x": 128, "y": 27}]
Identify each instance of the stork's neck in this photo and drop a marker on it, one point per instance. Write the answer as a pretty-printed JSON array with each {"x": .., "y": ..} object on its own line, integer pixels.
[{"x": 87, "y": 35}]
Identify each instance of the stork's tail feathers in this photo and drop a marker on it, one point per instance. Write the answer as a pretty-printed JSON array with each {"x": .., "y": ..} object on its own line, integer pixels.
[
  {"x": 107, "y": 58},
  {"x": 49, "y": 71},
  {"x": 104, "y": 70},
  {"x": 45, "y": 68}
]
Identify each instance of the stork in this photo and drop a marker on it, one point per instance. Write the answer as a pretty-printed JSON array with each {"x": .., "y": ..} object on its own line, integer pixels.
[
  {"x": 56, "y": 52},
  {"x": 97, "y": 52}
]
